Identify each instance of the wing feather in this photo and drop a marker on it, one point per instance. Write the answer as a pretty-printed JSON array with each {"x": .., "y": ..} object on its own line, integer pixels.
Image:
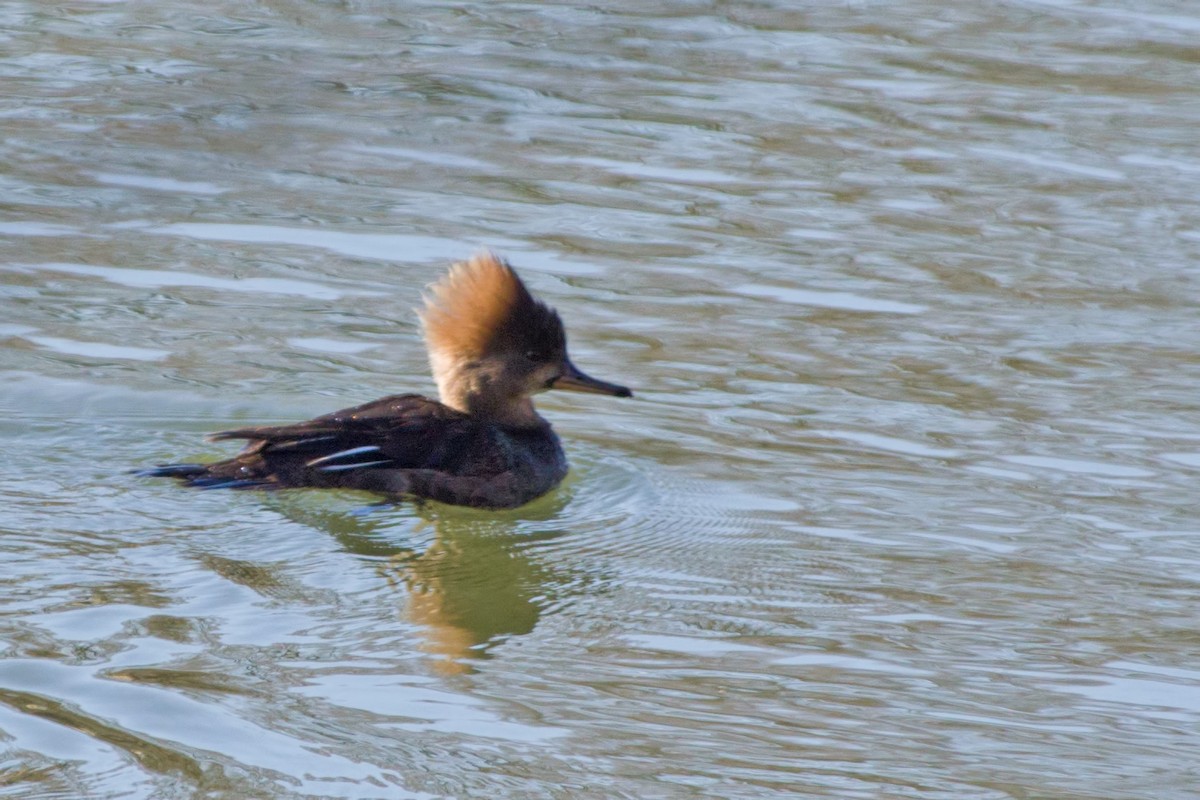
[{"x": 398, "y": 432}]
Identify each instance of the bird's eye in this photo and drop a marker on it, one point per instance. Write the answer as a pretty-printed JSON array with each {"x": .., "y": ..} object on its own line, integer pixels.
[{"x": 533, "y": 355}]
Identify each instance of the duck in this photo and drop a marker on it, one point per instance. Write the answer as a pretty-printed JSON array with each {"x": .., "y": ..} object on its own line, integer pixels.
[{"x": 492, "y": 346}]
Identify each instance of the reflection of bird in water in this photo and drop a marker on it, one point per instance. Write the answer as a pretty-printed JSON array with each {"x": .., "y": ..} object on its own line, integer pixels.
[
  {"x": 468, "y": 580},
  {"x": 491, "y": 346},
  {"x": 470, "y": 590}
]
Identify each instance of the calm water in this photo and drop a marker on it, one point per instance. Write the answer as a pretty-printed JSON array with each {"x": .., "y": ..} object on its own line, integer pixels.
[{"x": 905, "y": 506}]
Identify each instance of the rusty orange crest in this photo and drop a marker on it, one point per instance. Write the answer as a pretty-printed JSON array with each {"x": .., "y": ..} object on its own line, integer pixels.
[{"x": 481, "y": 307}]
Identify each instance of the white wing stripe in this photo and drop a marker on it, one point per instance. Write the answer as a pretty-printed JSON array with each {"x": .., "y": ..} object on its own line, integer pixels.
[
  {"x": 342, "y": 454},
  {"x": 340, "y": 467}
]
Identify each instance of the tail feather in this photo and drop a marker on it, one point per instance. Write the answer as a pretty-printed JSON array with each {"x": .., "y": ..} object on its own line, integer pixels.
[
  {"x": 202, "y": 476},
  {"x": 226, "y": 483},
  {"x": 172, "y": 471}
]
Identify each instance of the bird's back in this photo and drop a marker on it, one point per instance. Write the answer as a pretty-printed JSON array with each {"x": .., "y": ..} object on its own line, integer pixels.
[{"x": 398, "y": 445}]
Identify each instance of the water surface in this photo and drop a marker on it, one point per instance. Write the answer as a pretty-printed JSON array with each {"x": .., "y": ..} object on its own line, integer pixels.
[{"x": 904, "y": 506}]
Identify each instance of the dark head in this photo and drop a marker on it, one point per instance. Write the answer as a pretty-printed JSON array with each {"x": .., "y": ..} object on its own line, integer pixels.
[{"x": 492, "y": 345}]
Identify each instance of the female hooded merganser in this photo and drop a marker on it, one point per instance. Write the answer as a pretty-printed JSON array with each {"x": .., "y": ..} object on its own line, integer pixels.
[{"x": 491, "y": 346}]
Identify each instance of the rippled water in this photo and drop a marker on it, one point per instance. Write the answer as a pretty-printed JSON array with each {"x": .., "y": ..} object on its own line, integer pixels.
[{"x": 904, "y": 507}]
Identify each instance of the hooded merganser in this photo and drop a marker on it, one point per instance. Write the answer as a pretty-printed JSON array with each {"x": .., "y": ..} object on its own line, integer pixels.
[{"x": 491, "y": 346}]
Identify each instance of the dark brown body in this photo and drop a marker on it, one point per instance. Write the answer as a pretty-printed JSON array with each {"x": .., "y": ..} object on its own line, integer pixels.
[
  {"x": 403, "y": 445},
  {"x": 492, "y": 347}
]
